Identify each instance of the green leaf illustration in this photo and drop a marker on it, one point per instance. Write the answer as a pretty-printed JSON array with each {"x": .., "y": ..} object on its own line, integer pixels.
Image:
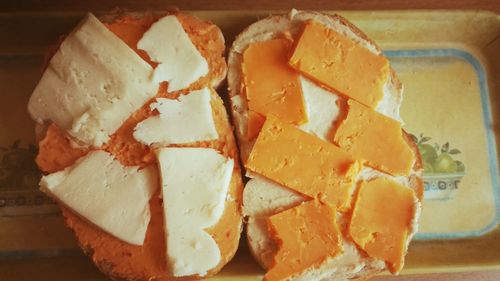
[
  {"x": 438, "y": 158},
  {"x": 445, "y": 147},
  {"x": 425, "y": 139},
  {"x": 436, "y": 146},
  {"x": 17, "y": 166},
  {"x": 413, "y": 138}
]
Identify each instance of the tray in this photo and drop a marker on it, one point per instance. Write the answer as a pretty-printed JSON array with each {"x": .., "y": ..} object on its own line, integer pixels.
[{"x": 449, "y": 62}]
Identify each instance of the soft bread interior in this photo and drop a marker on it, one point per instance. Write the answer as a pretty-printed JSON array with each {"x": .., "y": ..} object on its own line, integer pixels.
[{"x": 263, "y": 197}]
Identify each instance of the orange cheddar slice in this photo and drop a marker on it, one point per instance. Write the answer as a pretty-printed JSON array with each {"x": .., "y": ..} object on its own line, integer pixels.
[
  {"x": 375, "y": 138},
  {"x": 255, "y": 123},
  {"x": 341, "y": 64},
  {"x": 270, "y": 84},
  {"x": 303, "y": 162},
  {"x": 306, "y": 235},
  {"x": 381, "y": 220}
]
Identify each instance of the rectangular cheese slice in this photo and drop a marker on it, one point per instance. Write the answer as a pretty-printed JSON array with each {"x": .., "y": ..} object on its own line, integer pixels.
[
  {"x": 307, "y": 235},
  {"x": 106, "y": 193},
  {"x": 185, "y": 120},
  {"x": 377, "y": 139},
  {"x": 254, "y": 125},
  {"x": 180, "y": 63},
  {"x": 270, "y": 84},
  {"x": 195, "y": 183},
  {"x": 92, "y": 84},
  {"x": 322, "y": 109},
  {"x": 381, "y": 220},
  {"x": 303, "y": 162},
  {"x": 340, "y": 63}
]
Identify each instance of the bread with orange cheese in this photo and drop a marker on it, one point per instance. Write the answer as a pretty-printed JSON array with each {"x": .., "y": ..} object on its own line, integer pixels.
[
  {"x": 312, "y": 94},
  {"x": 133, "y": 175}
]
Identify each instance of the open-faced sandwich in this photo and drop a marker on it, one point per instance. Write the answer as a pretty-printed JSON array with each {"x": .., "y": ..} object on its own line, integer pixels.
[
  {"x": 335, "y": 189},
  {"x": 136, "y": 145}
]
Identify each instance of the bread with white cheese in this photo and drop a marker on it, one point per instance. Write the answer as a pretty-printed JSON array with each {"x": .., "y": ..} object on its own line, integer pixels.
[
  {"x": 263, "y": 197},
  {"x": 129, "y": 168}
]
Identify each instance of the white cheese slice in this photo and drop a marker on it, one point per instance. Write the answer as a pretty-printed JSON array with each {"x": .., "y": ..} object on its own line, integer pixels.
[
  {"x": 92, "y": 84},
  {"x": 322, "y": 109},
  {"x": 185, "y": 120},
  {"x": 180, "y": 63},
  {"x": 195, "y": 183},
  {"x": 106, "y": 193}
]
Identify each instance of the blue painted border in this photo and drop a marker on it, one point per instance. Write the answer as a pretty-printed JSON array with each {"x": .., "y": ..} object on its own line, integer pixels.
[{"x": 488, "y": 124}]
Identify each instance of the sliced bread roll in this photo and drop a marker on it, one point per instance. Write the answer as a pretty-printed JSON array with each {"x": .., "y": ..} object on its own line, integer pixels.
[
  {"x": 291, "y": 25},
  {"x": 61, "y": 153},
  {"x": 264, "y": 197}
]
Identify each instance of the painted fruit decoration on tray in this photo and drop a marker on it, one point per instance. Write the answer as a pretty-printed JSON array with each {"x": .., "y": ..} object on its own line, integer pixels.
[
  {"x": 17, "y": 166},
  {"x": 442, "y": 171}
]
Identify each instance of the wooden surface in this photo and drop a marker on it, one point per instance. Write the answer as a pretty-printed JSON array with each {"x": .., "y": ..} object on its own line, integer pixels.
[
  {"x": 16, "y": 271},
  {"x": 78, "y": 5},
  {"x": 80, "y": 267},
  {"x": 470, "y": 276}
]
